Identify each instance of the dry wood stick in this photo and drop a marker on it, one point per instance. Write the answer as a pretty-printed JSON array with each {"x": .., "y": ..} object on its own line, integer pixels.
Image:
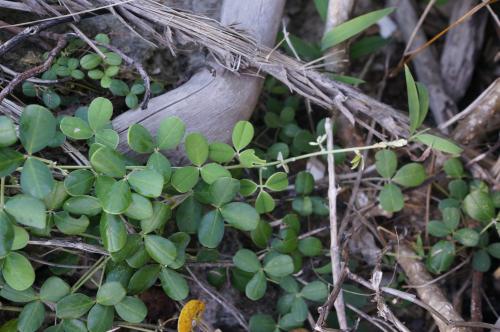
[
  {"x": 21, "y": 77},
  {"x": 334, "y": 245}
]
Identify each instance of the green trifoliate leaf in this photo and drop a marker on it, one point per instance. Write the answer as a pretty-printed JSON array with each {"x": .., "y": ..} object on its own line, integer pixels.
[
  {"x": 73, "y": 306},
  {"x": 100, "y": 318},
  {"x": 109, "y": 162},
  {"x": 211, "y": 172},
  {"x": 220, "y": 152},
  {"x": 277, "y": 182},
  {"x": 160, "y": 249},
  {"x": 196, "y": 146},
  {"x": 113, "y": 232},
  {"x": 256, "y": 287},
  {"x": 27, "y": 210},
  {"x": 410, "y": 175},
  {"x": 161, "y": 213},
  {"x": 32, "y": 317},
  {"x": 17, "y": 271},
  {"x": 223, "y": 190},
  {"x": 441, "y": 256},
  {"x": 304, "y": 183},
  {"x": 54, "y": 289},
  {"x": 386, "y": 163},
  {"x": 132, "y": 310},
  {"x": 147, "y": 182},
  {"x": 86, "y": 205},
  {"x": 211, "y": 229},
  {"x": 391, "y": 198},
  {"x": 8, "y": 134},
  {"x": 110, "y": 293},
  {"x": 118, "y": 199},
  {"x": 66, "y": 224},
  {"x": 279, "y": 266},
  {"x": 240, "y": 215},
  {"x": 79, "y": 182},
  {"x": 36, "y": 178},
  {"x": 174, "y": 284},
  {"x": 264, "y": 202},
  {"x": 185, "y": 178},
  {"x": 139, "y": 139},
  {"x": 479, "y": 206},
  {"x": 247, "y": 260},
  {"x": 99, "y": 113},
  {"x": 10, "y": 160},
  {"x": 76, "y": 128}
]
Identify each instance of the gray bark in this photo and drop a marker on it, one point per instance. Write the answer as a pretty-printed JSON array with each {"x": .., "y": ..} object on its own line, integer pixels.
[
  {"x": 425, "y": 63},
  {"x": 461, "y": 49},
  {"x": 212, "y": 101}
]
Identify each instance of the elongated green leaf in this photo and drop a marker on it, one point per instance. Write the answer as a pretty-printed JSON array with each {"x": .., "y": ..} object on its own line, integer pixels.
[
  {"x": 256, "y": 287},
  {"x": 73, "y": 306},
  {"x": 240, "y": 215},
  {"x": 139, "y": 139},
  {"x": 143, "y": 279},
  {"x": 161, "y": 213},
  {"x": 69, "y": 225},
  {"x": 277, "y": 182},
  {"x": 185, "y": 178},
  {"x": 441, "y": 256},
  {"x": 25, "y": 296},
  {"x": 170, "y": 133},
  {"x": 439, "y": 143},
  {"x": 479, "y": 206},
  {"x": 423, "y": 101},
  {"x": 211, "y": 172},
  {"x": 8, "y": 134},
  {"x": 37, "y": 127},
  {"x": 17, "y": 271},
  {"x": 32, "y": 317},
  {"x": 6, "y": 234},
  {"x": 315, "y": 291},
  {"x": 100, "y": 318},
  {"x": 196, "y": 146},
  {"x": 76, "y": 128},
  {"x": 54, "y": 289},
  {"x": 9, "y": 161},
  {"x": 113, "y": 232},
  {"x": 140, "y": 208},
  {"x": 27, "y": 210},
  {"x": 160, "y": 249},
  {"x": 110, "y": 293},
  {"x": 386, "y": 163},
  {"x": 247, "y": 260},
  {"x": 264, "y": 202},
  {"x": 211, "y": 229},
  {"x": 188, "y": 215},
  {"x": 132, "y": 310},
  {"x": 147, "y": 182},
  {"x": 352, "y": 27},
  {"x": 109, "y": 162},
  {"x": 160, "y": 164},
  {"x": 118, "y": 199},
  {"x": 242, "y": 134},
  {"x": 223, "y": 190},
  {"x": 391, "y": 198},
  {"x": 413, "y": 100},
  {"x": 36, "y": 178},
  {"x": 100, "y": 112},
  {"x": 87, "y": 205},
  {"x": 107, "y": 137},
  {"x": 174, "y": 284},
  {"x": 279, "y": 266},
  {"x": 410, "y": 175},
  {"x": 220, "y": 152},
  {"x": 79, "y": 182}
]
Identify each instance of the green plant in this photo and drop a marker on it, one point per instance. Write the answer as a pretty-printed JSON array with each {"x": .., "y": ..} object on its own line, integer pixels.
[{"x": 76, "y": 63}]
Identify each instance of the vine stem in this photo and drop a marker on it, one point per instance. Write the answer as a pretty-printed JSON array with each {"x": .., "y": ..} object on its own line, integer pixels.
[{"x": 380, "y": 145}]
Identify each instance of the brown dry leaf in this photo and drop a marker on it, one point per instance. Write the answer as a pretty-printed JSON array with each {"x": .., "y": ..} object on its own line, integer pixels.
[{"x": 190, "y": 314}]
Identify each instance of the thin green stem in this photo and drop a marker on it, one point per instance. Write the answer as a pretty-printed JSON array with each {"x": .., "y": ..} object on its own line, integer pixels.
[
  {"x": 2, "y": 192},
  {"x": 380, "y": 145},
  {"x": 491, "y": 223},
  {"x": 84, "y": 278}
]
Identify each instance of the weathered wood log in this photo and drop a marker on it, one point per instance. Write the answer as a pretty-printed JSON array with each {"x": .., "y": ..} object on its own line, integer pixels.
[
  {"x": 481, "y": 117},
  {"x": 461, "y": 49},
  {"x": 214, "y": 99},
  {"x": 426, "y": 63},
  {"x": 428, "y": 291}
]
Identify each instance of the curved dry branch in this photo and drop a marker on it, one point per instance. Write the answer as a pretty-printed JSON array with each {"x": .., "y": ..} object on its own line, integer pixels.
[{"x": 431, "y": 294}]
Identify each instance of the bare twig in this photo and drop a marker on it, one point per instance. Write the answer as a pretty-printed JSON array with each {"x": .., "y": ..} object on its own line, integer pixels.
[
  {"x": 30, "y": 31},
  {"x": 431, "y": 294},
  {"x": 18, "y": 79},
  {"x": 334, "y": 246},
  {"x": 476, "y": 310},
  {"x": 324, "y": 310},
  {"x": 67, "y": 243},
  {"x": 338, "y": 12},
  {"x": 231, "y": 309},
  {"x": 11, "y": 72}
]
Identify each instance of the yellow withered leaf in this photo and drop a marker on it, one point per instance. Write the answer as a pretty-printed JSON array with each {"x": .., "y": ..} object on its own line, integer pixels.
[{"x": 190, "y": 314}]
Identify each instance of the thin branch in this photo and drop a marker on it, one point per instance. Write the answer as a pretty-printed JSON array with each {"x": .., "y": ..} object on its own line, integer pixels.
[
  {"x": 334, "y": 246},
  {"x": 324, "y": 310},
  {"x": 67, "y": 243},
  {"x": 231, "y": 309},
  {"x": 18, "y": 79}
]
